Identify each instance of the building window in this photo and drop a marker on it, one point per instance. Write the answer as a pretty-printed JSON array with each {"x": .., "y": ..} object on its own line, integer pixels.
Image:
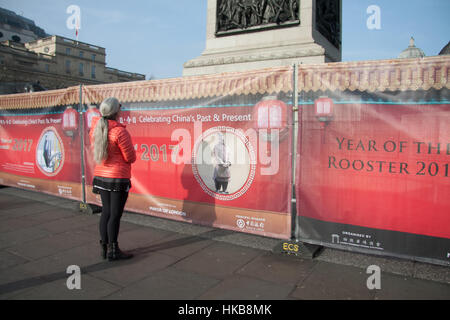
[
  {"x": 68, "y": 51},
  {"x": 93, "y": 57},
  {"x": 67, "y": 66},
  {"x": 47, "y": 67},
  {"x": 81, "y": 69},
  {"x": 15, "y": 38},
  {"x": 93, "y": 72},
  {"x": 1, "y": 34},
  {"x": 81, "y": 54}
]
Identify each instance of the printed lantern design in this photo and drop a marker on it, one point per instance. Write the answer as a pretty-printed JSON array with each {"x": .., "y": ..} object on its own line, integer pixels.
[
  {"x": 271, "y": 119},
  {"x": 324, "y": 113},
  {"x": 270, "y": 114},
  {"x": 70, "y": 121},
  {"x": 324, "y": 109},
  {"x": 90, "y": 114}
]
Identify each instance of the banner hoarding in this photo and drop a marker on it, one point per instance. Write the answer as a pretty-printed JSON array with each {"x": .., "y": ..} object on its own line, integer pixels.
[
  {"x": 182, "y": 144},
  {"x": 372, "y": 159},
  {"x": 373, "y": 166},
  {"x": 40, "y": 144}
]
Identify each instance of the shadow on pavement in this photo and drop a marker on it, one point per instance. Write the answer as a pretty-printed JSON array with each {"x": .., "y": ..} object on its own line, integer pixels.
[{"x": 104, "y": 265}]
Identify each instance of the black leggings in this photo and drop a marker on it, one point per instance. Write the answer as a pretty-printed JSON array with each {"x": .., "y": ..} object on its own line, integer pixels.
[
  {"x": 221, "y": 184},
  {"x": 113, "y": 203}
]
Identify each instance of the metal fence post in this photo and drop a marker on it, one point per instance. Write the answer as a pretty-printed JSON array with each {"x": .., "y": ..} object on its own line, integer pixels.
[
  {"x": 295, "y": 111},
  {"x": 83, "y": 177}
]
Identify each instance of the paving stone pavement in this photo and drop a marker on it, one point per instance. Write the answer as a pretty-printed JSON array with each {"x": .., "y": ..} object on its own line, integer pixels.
[{"x": 41, "y": 236}]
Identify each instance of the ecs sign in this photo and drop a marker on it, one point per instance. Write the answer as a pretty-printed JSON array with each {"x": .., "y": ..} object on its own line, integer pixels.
[
  {"x": 290, "y": 248},
  {"x": 298, "y": 249}
]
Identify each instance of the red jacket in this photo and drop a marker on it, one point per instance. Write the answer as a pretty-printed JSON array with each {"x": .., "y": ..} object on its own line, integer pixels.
[{"x": 121, "y": 153}]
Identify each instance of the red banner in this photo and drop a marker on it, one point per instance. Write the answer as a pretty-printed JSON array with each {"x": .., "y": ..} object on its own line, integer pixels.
[
  {"x": 382, "y": 167},
  {"x": 224, "y": 162},
  {"x": 373, "y": 157},
  {"x": 40, "y": 150},
  {"x": 379, "y": 166}
]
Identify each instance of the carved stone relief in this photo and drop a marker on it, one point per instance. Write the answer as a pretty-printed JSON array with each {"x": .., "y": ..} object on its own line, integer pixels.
[
  {"x": 252, "y": 15},
  {"x": 328, "y": 20}
]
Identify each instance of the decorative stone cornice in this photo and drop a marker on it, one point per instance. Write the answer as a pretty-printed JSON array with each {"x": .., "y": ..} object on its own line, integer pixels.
[{"x": 204, "y": 61}]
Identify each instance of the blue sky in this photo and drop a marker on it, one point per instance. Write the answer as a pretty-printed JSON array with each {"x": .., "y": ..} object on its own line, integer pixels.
[{"x": 155, "y": 37}]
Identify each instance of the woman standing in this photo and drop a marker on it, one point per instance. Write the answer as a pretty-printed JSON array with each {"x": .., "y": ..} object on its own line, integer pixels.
[{"x": 113, "y": 153}]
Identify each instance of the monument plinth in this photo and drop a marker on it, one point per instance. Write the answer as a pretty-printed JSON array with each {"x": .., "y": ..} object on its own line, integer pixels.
[{"x": 255, "y": 34}]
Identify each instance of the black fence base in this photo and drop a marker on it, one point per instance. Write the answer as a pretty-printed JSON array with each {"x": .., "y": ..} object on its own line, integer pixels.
[
  {"x": 298, "y": 249},
  {"x": 89, "y": 208}
]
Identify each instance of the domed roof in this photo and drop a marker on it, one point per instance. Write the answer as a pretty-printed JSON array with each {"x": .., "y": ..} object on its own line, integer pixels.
[
  {"x": 412, "y": 51},
  {"x": 14, "y": 20},
  {"x": 445, "y": 50}
]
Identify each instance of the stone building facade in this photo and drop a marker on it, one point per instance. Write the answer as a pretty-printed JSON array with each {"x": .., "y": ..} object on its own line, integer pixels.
[{"x": 55, "y": 62}]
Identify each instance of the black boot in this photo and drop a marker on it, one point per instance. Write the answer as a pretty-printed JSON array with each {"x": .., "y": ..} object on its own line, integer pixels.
[
  {"x": 114, "y": 252},
  {"x": 104, "y": 247}
]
